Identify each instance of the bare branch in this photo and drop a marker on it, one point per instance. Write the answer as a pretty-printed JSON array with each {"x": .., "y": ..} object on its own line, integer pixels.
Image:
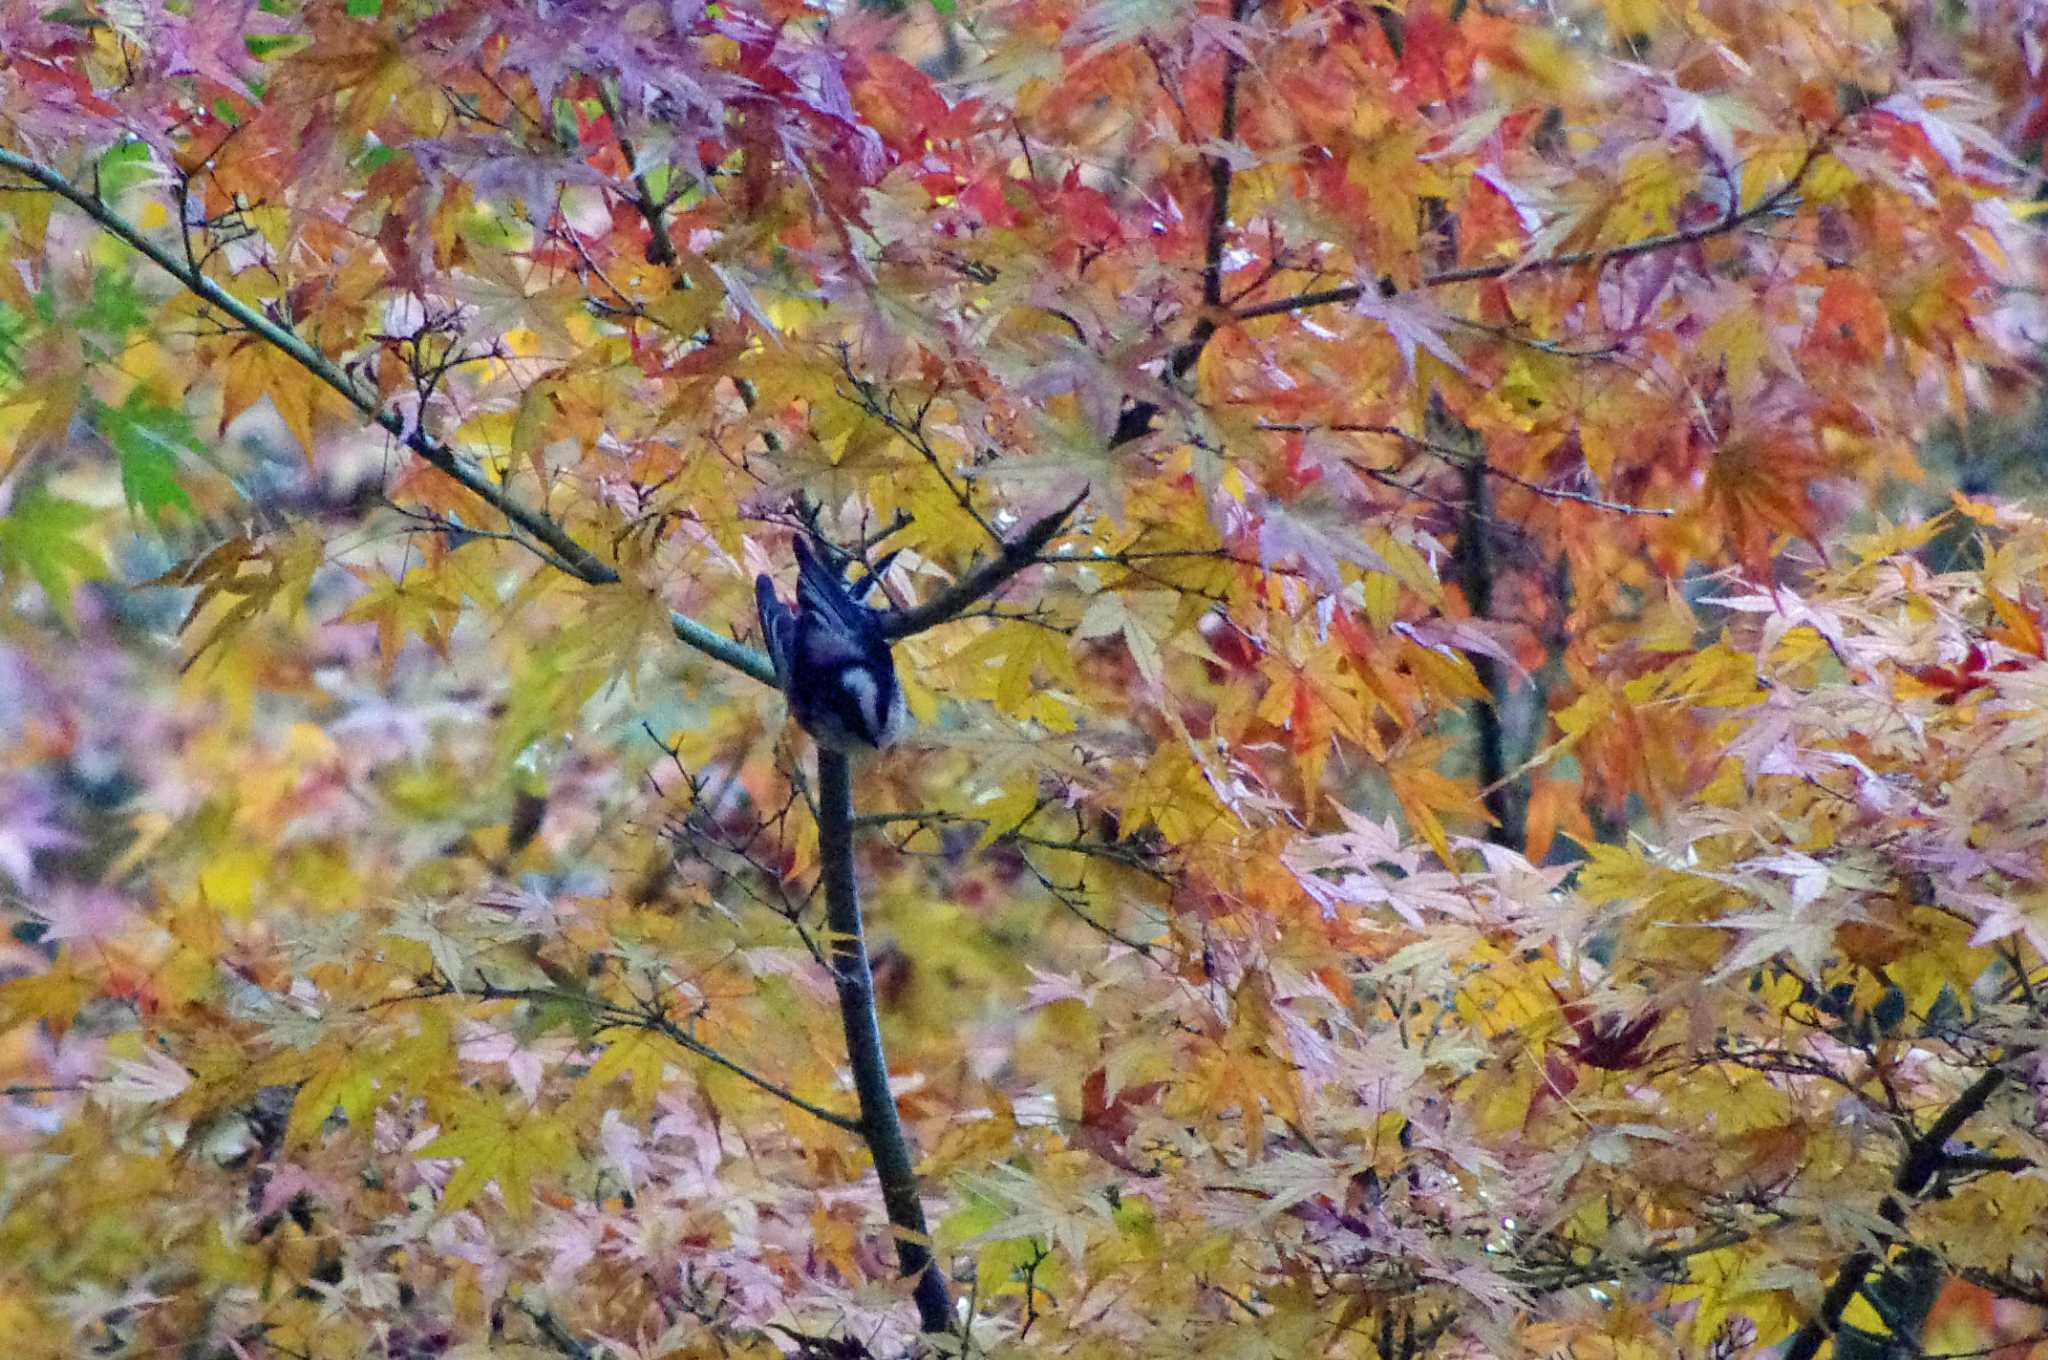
[
  {"x": 880, "y": 1126},
  {"x": 1924, "y": 1157},
  {"x": 610, "y": 1015},
  {"x": 1772, "y": 203},
  {"x": 985, "y": 580}
]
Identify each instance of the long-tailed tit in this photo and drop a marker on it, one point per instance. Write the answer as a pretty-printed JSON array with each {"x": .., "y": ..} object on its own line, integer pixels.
[{"x": 831, "y": 657}]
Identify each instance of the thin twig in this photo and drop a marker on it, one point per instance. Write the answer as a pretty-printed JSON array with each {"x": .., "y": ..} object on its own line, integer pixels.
[
  {"x": 613, "y": 1016},
  {"x": 1460, "y": 459}
]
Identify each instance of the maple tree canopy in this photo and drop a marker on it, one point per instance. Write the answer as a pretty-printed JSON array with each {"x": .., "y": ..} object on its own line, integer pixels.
[{"x": 1478, "y": 657}]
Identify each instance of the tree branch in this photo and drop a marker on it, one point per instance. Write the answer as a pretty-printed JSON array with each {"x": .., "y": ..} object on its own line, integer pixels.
[
  {"x": 1734, "y": 220},
  {"x": 985, "y": 580},
  {"x": 1458, "y": 459},
  {"x": 553, "y": 1332},
  {"x": 1924, "y": 1157},
  {"x": 577, "y": 558},
  {"x": 1474, "y": 557},
  {"x": 1219, "y": 178},
  {"x": 561, "y": 550},
  {"x": 1134, "y": 420},
  {"x": 612, "y": 1016},
  {"x": 748, "y": 661},
  {"x": 2007, "y": 1286},
  {"x": 880, "y": 1126},
  {"x": 1658, "y": 1264},
  {"x": 660, "y": 249}
]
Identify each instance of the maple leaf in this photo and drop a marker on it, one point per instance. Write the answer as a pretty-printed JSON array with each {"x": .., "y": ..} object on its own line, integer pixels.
[
  {"x": 1608, "y": 1041},
  {"x": 283, "y": 573},
  {"x": 28, "y": 826},
  {"x": 149, "y": 439},
  {"x": 1108, "y": 1122},
  {"x": 213, "y": 41},
  {"x": 495, "y": 1146},
  {"x": 1971, "y": 674},
  {"x": 403, "y": 607},
  {"x": 50, "y": 539},
  {"x": 1412, "y": 321}
]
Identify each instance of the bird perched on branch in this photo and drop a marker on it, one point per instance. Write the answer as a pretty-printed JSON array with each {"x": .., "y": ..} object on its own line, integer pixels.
[{"x": 831, "y": 656}]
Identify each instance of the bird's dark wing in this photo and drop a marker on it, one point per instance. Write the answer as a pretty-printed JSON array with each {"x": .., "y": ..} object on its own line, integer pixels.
[
  {"x": 820, "y": 590},
  {"x": 777, "y": 626}
]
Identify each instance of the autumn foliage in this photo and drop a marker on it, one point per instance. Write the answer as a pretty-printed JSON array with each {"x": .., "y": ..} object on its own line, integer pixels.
[{"x": 1468, "y": 798}]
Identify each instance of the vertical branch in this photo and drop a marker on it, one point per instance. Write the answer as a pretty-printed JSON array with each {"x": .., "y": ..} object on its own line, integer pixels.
[
  {"x": 1219, "y": 179},
  {"x": 1475, "y": 578},
  {"x": 660, "y": 249},
  {"x": 879, "y": 1125},
  {"x": 1136, "y": 419}
]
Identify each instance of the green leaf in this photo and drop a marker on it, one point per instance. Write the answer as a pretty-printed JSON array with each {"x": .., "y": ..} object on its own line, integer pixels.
[
  {"x": 148, "y": 439},
  {"x": 13, "y": 330},
  {"x": 123, "y": 166},
  {"x": 43, "y": 535},
  {"x": 116, "y": 309}
]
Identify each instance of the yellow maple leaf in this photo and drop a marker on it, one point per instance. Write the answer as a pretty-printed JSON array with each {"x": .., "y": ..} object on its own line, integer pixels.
[
  {"x": 413, "y": 605},
  {"x": 502, "y": 1146}
]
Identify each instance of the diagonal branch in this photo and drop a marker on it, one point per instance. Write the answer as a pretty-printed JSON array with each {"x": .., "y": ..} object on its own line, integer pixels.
[
  {"x": 1924, "y": 1156},
  {"x": 1777, "y": 200},
  {"x": 553, "y": 543},
  {"x": 573, "y": 556},
  {"x": 985, "y": 580},
  {"x": 609, "y": 1015}
]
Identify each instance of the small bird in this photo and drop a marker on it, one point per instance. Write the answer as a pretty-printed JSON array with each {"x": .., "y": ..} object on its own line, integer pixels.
[{"x": 831, "y": 656}]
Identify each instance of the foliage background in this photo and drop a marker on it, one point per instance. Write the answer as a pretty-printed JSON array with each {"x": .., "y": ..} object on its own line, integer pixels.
[{"x": 1475, "y": 839}]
